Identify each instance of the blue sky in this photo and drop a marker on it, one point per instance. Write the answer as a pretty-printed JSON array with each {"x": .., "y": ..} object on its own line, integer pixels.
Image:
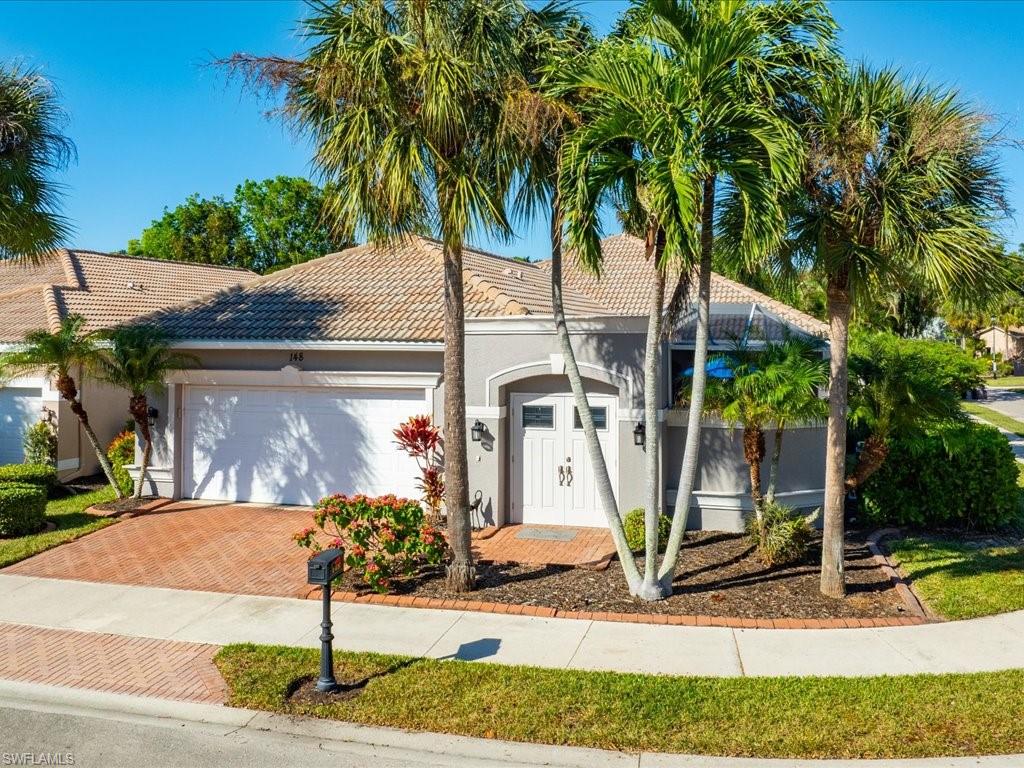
[{"x": 154, "y": 123}]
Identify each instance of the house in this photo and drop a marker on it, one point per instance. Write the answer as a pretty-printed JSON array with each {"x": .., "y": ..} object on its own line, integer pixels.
[
  {"x": 1006, "y": 341},
  {"x": 304, "y": 374},
  {"x": 106, "y": 290}
]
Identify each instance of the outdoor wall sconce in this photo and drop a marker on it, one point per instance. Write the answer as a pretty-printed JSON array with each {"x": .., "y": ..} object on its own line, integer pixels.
[
  {"x": 478, "y": 430},
  {"x": 153, "y": 414},
  {"x": 640, "y": 434}
]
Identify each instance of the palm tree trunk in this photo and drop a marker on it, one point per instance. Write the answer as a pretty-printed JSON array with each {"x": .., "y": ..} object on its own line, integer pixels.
[
  {"x": 605, "y": 491},
  {"x": 753, "y": 452},
  {"x": 870, "y": 460},
  {"x": 461, "y": 573},
  {"x": 833, "y": 577},
  {"x": 138, "y": 406},
  {"x": 69, "y": 391},
  {"x": 773, "y": 469},
  {"x": 652, "y": 589},
  {"x": 688, "y": 470}
]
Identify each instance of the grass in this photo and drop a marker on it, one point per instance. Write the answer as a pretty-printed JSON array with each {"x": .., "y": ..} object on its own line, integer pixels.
[
  {"x": 995, "y": 417},
  {"x": 72, "y": 523},
  {"x": 960, "y": 578},
  {"x": 1005, "y": 381},
  {"x": 880, "y": 717}
]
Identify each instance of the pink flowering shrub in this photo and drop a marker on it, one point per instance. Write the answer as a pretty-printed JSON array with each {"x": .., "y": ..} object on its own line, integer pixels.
[{"x": 383, "y": 536}]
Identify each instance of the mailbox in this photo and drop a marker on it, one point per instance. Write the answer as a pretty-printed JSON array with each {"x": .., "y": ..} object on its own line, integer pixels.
[{"x": 325, "y": 566}]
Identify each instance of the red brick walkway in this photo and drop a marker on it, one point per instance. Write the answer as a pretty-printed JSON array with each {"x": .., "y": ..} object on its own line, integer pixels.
[
  {"x": 235, "y": 548},
  {"x": 589, "y": 546},
  {"x": 164, "y": 669}
]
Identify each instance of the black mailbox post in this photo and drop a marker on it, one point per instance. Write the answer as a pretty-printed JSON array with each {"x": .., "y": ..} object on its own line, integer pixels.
[{"x": 321, "y": 570}]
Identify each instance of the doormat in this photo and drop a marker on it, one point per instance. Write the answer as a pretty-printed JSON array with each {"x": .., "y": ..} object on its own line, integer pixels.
[{"x": 547, "y": 534}]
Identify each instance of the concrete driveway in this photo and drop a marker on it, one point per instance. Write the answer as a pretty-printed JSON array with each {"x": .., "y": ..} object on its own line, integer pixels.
[
  {"x": 243, "y": 549},
  {"x": 1006, "y": 401}
]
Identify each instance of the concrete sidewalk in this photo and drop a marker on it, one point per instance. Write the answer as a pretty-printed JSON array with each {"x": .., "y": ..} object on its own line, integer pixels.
[
  {"x": 986, "y": 644},
  {"x": 115, "y": 730}
]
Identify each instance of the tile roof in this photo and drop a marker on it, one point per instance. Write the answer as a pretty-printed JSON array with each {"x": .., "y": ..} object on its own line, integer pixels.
[
  {"x": 106, "y": 289},
  {"x": 623, "y": 285},
  {"x": 371, "y": 292}
]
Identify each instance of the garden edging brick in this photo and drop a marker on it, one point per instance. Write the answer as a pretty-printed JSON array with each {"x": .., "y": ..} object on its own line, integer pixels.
[{"x": 731, "y": 622}]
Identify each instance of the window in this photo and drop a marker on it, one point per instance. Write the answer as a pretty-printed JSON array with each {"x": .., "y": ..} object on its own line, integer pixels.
[
  {"x": 600, "y": 416},
  {"x": 539, "y": 416}
]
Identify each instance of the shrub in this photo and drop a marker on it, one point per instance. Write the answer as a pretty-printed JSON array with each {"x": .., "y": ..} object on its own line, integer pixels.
[
  {"x": 960, "y": 476},
  {"x": 29, "y": 474},
  {"x": 40, "y": 444},
  {"x": 22, "y": 508},
  {"x": 419, "y": 438},
  {"x": 383, "y": 537},
  {"x": 121, "y": 452},
  {"x": 781, "y": 535},
  {"x": 635, "y": 534}
]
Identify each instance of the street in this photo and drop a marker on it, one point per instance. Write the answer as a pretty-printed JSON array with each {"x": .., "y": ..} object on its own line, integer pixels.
[
  {"x": 1007, "y": 401},
  {"x": 116, "y": 741}
]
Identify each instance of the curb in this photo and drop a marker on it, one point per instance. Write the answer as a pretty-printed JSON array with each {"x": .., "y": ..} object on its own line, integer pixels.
[
  {"x": 407, "y": 601},
  {"x": 374, "y": 744},
  {"x": 899, "y": 582}
]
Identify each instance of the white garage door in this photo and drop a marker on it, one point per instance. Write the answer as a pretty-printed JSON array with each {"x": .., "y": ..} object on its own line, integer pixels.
[
  {"x": 20, "y": 408},
  {"x": 296, "y": 445}
]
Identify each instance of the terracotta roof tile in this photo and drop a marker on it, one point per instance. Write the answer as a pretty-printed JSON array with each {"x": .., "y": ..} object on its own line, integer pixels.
[
  {"x": 106, "y": 289},
  {"x": 370, "y": 292},
  {"x": 623, "y": 285}
]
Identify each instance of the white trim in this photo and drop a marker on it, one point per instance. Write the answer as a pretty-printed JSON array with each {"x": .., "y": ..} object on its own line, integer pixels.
[
  {"x": 545, "y": 324},
  {"x": 392, "y": 346},
  {"x": 740, "y": 500},
  {"x": 66, "y": 464},
  {"x": 290, "y": 376},
  {"x": 486, "y": 412},
  {"x": 542, "y": 364},
  {"x": 46, "y": 392},
  {"x": 678, "y": 417}
]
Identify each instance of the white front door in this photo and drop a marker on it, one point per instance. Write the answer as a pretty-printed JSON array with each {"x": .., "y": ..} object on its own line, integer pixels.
[{"x": 553, "y": 482}]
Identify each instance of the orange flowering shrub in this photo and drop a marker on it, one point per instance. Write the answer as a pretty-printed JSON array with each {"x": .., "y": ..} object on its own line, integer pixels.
[{"x": 383, "y": 536}]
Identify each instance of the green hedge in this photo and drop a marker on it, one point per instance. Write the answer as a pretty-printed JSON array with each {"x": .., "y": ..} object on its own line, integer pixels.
[
  {"x": 22, "y": 508},
  {"x": 962, "y": 476},
  {"x": 32, "y": 474}
]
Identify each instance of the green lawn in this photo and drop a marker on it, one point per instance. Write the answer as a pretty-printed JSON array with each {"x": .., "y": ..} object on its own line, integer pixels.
[
  {"x": 962, "y": 578},
  {"x": 881, "y": 717},
  {"x": 1005, "y": 381},
  {"x": 994, "y": 417},
  {"x": 71, "y": 522}
]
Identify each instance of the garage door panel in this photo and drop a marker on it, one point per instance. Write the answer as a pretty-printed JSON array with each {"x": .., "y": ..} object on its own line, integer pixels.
[
  {"x": 20, "y": 408},
  {"x": 294, "y": 446}
]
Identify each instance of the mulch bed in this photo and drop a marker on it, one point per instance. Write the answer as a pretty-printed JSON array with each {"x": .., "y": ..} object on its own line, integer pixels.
[
  {"x": 121, "y": 506},
  {"x": 718, "y": 575}
]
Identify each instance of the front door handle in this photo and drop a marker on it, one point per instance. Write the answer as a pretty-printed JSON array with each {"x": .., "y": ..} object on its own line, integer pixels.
[
  {"x": 568, "y": 476},
  {"x": 561, "y": 474}
]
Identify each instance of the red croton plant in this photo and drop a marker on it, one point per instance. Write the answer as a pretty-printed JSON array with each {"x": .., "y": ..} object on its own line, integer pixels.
[
  {"x": 383, "y": 537},
  {"x": 419, "y": 438}
]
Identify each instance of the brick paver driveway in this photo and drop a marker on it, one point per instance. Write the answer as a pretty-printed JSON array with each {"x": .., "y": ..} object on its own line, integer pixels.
[{"x": 236, "y": 548}]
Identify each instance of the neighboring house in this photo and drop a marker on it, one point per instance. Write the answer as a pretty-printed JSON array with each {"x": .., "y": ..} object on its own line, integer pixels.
[
  {"x": 305, "y": 373},
  {"x": 106, "y": 290},
  {"x": 1007, "y": 341}
]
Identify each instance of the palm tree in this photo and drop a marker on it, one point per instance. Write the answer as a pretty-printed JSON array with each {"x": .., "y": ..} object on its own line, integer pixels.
[
  {"x": 32, "y": 147},
  {"x": 403, "y": 103},
  {"x": 139, "y": 360},
  {"x": 683, "y": 101},
  {"x": 772, "y": 385},
  {"x": 893, "y": 391},
  {"x": 900, "y": 187},
  {"x": 59, "y": 355}
]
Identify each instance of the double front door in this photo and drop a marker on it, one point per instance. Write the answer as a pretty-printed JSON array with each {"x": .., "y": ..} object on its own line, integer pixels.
[{"x": 552, "y": 478}]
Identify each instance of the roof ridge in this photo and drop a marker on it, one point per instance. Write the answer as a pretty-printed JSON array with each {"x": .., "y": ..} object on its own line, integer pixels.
[
  {"x": 52, "y": 305},
  {"x": 155, "y": 260},
  {"x": 68, "y": 265}
]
